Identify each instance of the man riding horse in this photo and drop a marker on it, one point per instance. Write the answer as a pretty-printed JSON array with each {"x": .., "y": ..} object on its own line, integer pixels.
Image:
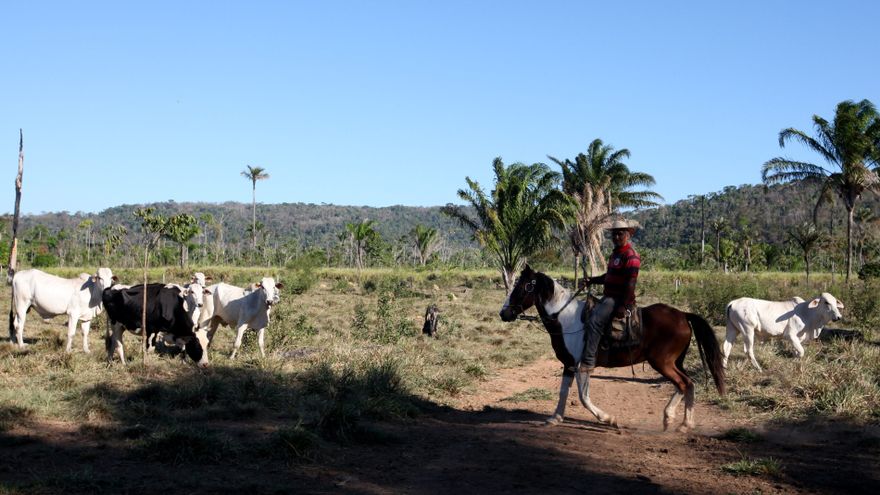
[{"x": 619, "y": 293}]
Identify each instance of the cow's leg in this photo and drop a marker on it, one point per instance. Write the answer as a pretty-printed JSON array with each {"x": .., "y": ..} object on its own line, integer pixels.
[
  {"x": 749, "y": 343},
  {"x": 212, "y": 329},
  {"x": 261, "y": 339},
  {"x": 796, "y": 342},
  {"x": 86, "y": 326},
  {"x": 18, "y": 325},
  {"x": 238, "y": 336},
  {"x": 115, "y": 335},
  {"x": 583, "y": 381},
  {"x": 729, "y": 339},
  {"x": 564, "y": 387},
  {"x": 72, "y": 320}
]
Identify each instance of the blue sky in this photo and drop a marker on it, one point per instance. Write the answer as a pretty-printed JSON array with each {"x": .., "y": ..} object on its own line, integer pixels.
[{"x": 383, "y": 103}]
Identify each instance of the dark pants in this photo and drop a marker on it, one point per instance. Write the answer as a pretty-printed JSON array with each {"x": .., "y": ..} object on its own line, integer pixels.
[{"x": 599, "y": 318}]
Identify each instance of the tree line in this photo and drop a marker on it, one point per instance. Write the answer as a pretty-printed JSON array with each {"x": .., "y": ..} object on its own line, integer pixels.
[{"x": 556, "y": 216}]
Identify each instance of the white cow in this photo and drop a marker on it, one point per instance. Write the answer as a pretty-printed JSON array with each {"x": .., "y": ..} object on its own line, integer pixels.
[
  {"x": 200, "y": 278},
  {"x": 78, "y": 298},
  {"x": 794, "y": 320},
  {"x": 241, "y": 308}
]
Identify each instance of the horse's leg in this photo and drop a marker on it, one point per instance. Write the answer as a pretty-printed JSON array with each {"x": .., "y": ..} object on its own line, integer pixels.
[
  {"x": 689, "y": 399},
  {"x": 583, "y": 379},
  {"x": 681, "y": 390},
  {"x": 564, "y": 387}
]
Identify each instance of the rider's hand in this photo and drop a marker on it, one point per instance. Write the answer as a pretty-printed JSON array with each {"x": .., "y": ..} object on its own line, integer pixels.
[{"x": 583, "y": 283}]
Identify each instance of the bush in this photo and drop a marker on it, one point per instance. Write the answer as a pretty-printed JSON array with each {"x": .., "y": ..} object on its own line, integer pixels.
[{"x": 870, "y": 271}]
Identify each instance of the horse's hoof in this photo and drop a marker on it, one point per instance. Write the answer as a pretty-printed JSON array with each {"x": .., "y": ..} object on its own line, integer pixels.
[
  {"x": 552, "y": 421},
  {"x": 682, "y": 429}
]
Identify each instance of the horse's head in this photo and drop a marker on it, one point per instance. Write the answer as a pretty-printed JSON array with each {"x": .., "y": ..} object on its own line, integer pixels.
[{"x": 523, "y": 296}]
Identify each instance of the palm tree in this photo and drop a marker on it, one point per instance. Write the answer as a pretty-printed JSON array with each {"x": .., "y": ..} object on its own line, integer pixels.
[
  {"x": 425, "y": 241},
  {"x": 360, "y": 234},
  {"x": 254, "y": 174},
  {"x": 806, "y": 236},
  {"x": 851, "y": 144},
  {"x": 720, "y": 226},
  {"x": 520, "y": 217},
  {"x": 611, "y": 182}
]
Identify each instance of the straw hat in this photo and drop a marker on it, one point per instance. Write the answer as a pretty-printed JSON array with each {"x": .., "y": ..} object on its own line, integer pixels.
[{"x": 631, "y": 225}]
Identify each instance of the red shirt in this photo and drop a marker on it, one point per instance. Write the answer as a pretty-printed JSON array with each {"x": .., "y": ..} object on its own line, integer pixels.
[{"x": 620, "y": 279}]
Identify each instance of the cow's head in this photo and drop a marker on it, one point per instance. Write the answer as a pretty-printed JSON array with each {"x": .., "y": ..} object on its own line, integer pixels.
[
  {"x": 194, "y": 349},
  {"x": 828, "y": 306},
  {"x": 271, "y": 289},
  {"x": 193, "y": 296},
  {"x": 104, "y": 278},
  {"x": 201, "y": 279}
]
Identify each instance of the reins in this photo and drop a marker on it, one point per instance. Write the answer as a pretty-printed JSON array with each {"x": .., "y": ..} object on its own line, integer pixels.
[{"x": 554, "y": 316}]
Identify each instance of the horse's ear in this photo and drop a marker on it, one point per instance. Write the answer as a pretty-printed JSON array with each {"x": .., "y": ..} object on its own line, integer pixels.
[{"x": 527, "y": 268}]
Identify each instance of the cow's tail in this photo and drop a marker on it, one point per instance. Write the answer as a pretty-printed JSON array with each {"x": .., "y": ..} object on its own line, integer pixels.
[
  {"x": 11, "y": 325},
  {"x": 709, "y": 349}
]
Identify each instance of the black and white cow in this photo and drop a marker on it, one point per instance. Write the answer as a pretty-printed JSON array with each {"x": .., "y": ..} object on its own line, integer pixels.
[{"x": 167, "y": 311}]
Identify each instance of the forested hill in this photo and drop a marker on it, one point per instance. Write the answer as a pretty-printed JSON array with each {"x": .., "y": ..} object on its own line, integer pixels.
[
  {"x": 766, "y": 212},
  {"x": 310, "y": 224}
]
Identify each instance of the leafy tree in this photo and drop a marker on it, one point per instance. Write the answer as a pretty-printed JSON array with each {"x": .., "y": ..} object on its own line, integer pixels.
[
  {"x": 850, "y": 145},
  {"x": 807, "y": 236},
  {"x": 181, "y": 229},
  {"x": 600, "y": 179},
  {"x": 425, "y": 240},
  {"x": 113, "y": 236},
  {"x": 254, "y": 174},
  {"x": 519, "y": 218}
]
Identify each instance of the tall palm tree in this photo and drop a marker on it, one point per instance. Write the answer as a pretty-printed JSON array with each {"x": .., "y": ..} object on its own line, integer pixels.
[
  {"x": 254, "y": 174},
  {"x": 425, "y": 241},
  {"x": 807, "y": 237},
  {"x": 521, "y": 216},
  {"x": 850, "y": 144},
  {"x": 612, "y": 183}
]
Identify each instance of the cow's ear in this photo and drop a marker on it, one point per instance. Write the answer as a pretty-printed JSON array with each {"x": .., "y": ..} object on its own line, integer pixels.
[
  {"x": 115, "y": 278},
  {"x": 94, "y": 278},
  {"x": 279, "y": 285},
  {"x": 840, "y": 305},
  {"x": 207, "y": 292},
  {"x": 814, "y": 303},
  {"x": 209, "y": 278},
  {"x": 258, "y": 284}
]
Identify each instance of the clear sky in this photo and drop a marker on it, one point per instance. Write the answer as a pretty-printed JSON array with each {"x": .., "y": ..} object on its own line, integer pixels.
[{"x": 394, "y": 102}]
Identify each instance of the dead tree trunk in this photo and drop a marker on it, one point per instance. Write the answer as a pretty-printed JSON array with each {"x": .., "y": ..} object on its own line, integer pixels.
[{"x": 13, "y": 251}]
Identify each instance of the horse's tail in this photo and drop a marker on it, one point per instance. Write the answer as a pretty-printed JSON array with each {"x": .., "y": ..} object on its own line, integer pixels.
[{"x": 709, "y": 349}]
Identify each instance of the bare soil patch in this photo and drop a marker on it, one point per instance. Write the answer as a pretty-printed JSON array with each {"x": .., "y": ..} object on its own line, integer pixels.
[{"x": 483, "y": 442}]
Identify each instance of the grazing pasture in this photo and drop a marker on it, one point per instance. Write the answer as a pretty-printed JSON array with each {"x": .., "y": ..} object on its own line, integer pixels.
[{"x": 351, "y": 397}]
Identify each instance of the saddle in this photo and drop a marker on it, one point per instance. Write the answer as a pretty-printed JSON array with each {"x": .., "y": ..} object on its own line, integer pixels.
[{"x": 625, "y": 331}]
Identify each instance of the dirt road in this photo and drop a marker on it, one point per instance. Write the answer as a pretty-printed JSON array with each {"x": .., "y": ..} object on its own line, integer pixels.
[{"x": 482, "y": 443}]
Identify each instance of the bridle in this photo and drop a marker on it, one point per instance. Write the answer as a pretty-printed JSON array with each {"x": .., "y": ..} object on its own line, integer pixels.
[{"x": 529, "y": 288}]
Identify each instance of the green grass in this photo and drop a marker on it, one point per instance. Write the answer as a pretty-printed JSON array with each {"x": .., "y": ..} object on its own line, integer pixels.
[
  {"x": 530, "y": 395},
  {"x": 754, "y": 467}
]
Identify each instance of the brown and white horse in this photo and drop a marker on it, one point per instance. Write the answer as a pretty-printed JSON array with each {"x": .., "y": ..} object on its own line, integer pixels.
[{"x": 666, "y": 336}]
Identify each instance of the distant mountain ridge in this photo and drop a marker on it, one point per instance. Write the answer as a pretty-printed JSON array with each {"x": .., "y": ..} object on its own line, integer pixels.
[{"x": 768, "y": 212}]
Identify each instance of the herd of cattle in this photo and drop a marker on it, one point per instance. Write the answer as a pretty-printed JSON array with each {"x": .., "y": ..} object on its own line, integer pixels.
[
  {"x": 185, "y": 315},
  {"x": 188, "y": 315}
]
